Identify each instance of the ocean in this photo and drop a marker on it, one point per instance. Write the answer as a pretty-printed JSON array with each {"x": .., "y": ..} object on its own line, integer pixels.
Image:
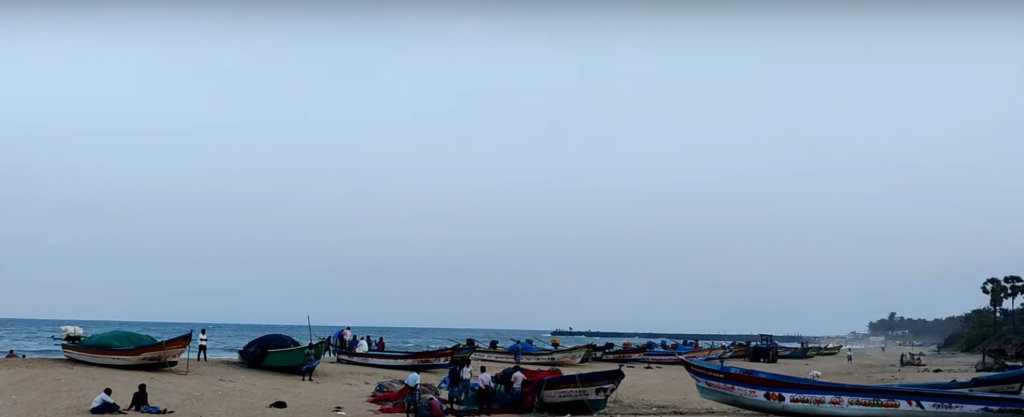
[{"x": 32, "y": 337}]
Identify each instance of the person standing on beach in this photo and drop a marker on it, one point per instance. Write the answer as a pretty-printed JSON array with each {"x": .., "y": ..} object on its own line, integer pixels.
[
  {"x": 849, "y": 355},
  {"x": 103, "y": 404},
  {"x": 412, "y": 397},
  {"x": 517, "y": 381},
  {"x": 345, "y": 337},
  {"x": 903, "y": 357},
  {"x": 454, "y": 383},
  {"x": 518, "y": 350},
  {"x": 310, "y": 359},
  {"x": 467, "y": 375},
  {"x": 380, "y": 344},
  {"x": 202, "y": 346},
  {"x": 485, "y": 392}
]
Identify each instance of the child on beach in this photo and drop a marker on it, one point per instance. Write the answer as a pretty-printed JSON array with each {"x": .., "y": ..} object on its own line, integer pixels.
[{"x": 849, "y": 355}]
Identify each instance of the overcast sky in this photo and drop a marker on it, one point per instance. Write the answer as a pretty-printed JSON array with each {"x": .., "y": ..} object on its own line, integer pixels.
[{"x": 679, "y": 166}]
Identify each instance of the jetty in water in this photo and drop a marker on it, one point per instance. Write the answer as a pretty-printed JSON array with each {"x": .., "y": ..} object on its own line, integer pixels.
[{"x": 682, "y": 336}]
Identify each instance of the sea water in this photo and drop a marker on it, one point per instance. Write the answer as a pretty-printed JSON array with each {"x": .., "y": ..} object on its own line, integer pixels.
[{"x": 34, "y": 337}]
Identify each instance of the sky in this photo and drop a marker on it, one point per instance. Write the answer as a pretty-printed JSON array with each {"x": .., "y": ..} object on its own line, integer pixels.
[{"x": 725, "y": 166}]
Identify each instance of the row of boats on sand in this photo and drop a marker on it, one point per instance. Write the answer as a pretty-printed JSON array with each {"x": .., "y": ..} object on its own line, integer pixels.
[{"x": 546, "y": 390}]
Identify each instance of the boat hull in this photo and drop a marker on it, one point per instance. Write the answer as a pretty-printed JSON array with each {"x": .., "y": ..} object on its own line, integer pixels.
[
  {"x": 789, "y": 396},
  {"x": 163, "y": 354},
  {"x": 1011, "y": 382},
  {"x": 411, "y": 361},
  {"x": 675, "y": 358},
  {"x": 583, "y": 393},
  {"x": 829, "y": 351},
  {"x": 622, "y": 356},
  {"x": 571, "y": 356},
  {"x": 289, "y": 361}
]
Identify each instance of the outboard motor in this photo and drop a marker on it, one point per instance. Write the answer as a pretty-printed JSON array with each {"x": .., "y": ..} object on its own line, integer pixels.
[
  {"x": 609, "y": 346},
  {"x": 471, "y": 342},
  {"x": 494, "y": 344},
  {"x": 529, "y": 342},
  {"x": 556, "y": 343}
]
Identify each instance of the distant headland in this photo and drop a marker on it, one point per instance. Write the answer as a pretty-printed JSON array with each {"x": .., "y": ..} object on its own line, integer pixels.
[{"x": 680, "y": 336}]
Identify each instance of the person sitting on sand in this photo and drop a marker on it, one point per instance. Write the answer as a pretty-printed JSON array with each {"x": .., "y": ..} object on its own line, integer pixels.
[
  {"x": 309, "y": 363},
  {"x": 103, "y": 404},
  {"x": 434, "y": 407},
  {"x": 380, "y": 344},
  {"x": 11, "y": 354},
  {"x": 412, "y": 398},
  {"x": 140, "y": 402}
]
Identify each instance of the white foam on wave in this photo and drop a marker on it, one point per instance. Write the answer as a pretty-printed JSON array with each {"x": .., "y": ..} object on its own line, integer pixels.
[{"x": 546, "y": 335}]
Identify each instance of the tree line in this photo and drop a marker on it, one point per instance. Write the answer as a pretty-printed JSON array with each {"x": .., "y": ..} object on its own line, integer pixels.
[{"x": 965, "y": 331}]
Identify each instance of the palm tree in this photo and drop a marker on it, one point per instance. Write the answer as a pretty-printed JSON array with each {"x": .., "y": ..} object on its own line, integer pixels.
[
  {"x": 996, "y": 292},
  {"x": 1014, "y": 288}
]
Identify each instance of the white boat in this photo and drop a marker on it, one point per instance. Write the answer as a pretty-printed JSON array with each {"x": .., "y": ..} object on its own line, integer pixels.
[
  {"x": 157, "y": 355},
  {"x": 570, "y": 356}
]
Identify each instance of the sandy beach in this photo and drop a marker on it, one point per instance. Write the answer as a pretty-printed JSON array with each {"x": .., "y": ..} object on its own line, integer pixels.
[{"x": 57, "y": 387}]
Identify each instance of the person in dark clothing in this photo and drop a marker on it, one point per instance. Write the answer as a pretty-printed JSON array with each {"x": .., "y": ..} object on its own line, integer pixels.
[
  {"x": 485, "y": 392},
  {"x": 140, "y": 403},
  {"x": 454, "y": 382}
]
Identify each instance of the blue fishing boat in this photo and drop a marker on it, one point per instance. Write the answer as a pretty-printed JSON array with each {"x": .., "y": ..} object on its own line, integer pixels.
[
  {"x": 1010, "y": 382},
  {"x": 769, "y": 393}
]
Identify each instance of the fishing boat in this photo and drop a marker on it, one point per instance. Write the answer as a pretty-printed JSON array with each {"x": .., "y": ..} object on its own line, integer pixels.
[
  {"x": 558, "y": 357},
  {"x": 798, "y": 353},
  {"x": 279, "y": 353},
  {"x": 830, "y": 350},
  {"x": 623, "y": 355},
  {"x": 128, "y": 350},
  {"x": 674, "y": 357},
  {"x": 1011, "y": 382},
  {"x": 769, "y": 393},
  {"x": 582, "y": 393},
  {"x": 411, "y": 361},
  {"x": 735, "y": 352}
]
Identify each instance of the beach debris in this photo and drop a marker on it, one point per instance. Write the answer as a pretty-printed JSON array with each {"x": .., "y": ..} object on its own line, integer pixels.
[
  {"x": 936, "y": 370},
  {"x": 278, "y": 404},
  {"x": 657, "y": 367},
  {"x": 648, "y": 367},
  {"x": 814, "y": 375}
]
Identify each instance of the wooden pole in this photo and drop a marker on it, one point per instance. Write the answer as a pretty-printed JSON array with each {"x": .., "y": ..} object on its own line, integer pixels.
[{"x": 310, "y": 324}]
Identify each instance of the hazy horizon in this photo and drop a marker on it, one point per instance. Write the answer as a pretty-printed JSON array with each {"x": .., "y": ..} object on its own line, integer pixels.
[{"x": 705, "y": 167}]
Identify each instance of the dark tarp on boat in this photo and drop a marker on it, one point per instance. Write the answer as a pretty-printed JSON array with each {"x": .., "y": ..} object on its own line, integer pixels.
[
  {"x": 118, "y": 339},
  {"x": 255, "y": 351}
]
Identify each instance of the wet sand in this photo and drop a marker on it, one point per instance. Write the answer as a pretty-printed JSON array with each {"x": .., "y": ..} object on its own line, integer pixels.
[{"x": 57, "y": 387}]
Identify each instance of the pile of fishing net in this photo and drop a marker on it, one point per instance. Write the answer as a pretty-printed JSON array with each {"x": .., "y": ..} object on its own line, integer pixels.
[{"x": 393, "y": 401}]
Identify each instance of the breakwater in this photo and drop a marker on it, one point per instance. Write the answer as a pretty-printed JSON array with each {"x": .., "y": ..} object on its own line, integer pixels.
[{"x": 679, "y": 336}]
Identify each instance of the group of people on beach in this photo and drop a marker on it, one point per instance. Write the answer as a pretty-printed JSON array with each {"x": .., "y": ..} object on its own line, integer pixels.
[
  {"x": 104, "y": 404},
  {"x": 348, "y": 342},
  {"x": 460, "y": 377}
]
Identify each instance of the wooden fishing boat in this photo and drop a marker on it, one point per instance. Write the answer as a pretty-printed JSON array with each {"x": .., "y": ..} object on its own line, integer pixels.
[
  {"x": 672, "y": 357},
  {"x": 279, "y": 353},
  {"x": 582, "y": 393},
  {"x": 735, "y": 352},
  {"x": 1011, "y": 383},
  {"x": 558, "y": 357},
  {"x": 798, "y": 353},
  {"x": 623, "y": 355},
  {"x": 410, "y": 361},
  {"x": 769, "y": 393},
  {"x": 127, "y": 350},
  {"x": 830, "y": 350}
]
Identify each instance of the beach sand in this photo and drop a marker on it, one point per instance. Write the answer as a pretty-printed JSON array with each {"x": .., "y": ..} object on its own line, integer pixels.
[{"x": 58, "y": 387}]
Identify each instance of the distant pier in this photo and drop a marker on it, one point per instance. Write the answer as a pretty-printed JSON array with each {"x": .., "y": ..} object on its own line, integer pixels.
[{"x": 681, "y": 336}]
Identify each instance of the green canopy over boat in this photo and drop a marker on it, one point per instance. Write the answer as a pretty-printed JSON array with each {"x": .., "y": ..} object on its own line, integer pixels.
[{"x": 118, "y": 339}]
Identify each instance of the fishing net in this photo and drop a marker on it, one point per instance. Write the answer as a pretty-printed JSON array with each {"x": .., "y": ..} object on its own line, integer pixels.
[{"x": 118, "y": 339}]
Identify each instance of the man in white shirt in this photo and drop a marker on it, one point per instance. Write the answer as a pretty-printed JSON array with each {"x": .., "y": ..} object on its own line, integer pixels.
[
  {"x": 412, "y": 398},
  {"x": 202, "y": 346},
  {"x": 362, "y": 347},
  {"x": 486, "y": 390},
  {"x": 517, "y": 381},
  {"x": 103, "y": 404}
]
